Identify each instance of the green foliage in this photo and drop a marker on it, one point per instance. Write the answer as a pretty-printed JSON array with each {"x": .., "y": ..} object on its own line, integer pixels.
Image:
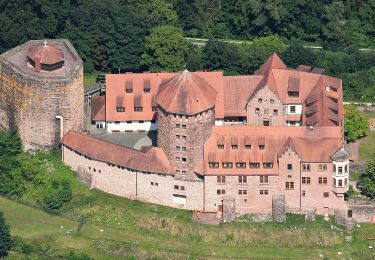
[
  {"x": 165, "y": 49},
  {"x": 368, "y": 179},
  {"x": 57, "y": 195},
  {"x": 355, "y": 124},
  {"x": 6, "y": 242},
  {"x": 20, "y": 245}
]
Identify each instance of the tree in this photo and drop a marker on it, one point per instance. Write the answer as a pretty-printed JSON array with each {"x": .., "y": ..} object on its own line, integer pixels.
[
  {"x": 355, "y": 124},
  {"x": 296, "y": 54},
  {"x": 165, "y": 49},
  {"x": 270, "y": 44},
  {"x": 368, "y": 178},
  {"x": 6, "y": 242}
]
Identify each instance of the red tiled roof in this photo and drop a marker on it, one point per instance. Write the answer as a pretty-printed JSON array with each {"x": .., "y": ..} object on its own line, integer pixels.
[
  {"x": 186, "y": 94},
  {"x": 98, "y": 108},
  {"x": 48, "y": 54},
  {"x": 273, "y": 62},
  {"x": 116, "y": 84},
  {"x": 119, "y": 155},
  {"x": 311, "y": 145},
  {"x": 236, "y": 91}
]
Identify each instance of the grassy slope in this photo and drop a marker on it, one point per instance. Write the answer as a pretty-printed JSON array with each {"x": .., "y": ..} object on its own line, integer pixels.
[
  {"x": 367, "y": 144},
  {"x": 116, "y": 243}
]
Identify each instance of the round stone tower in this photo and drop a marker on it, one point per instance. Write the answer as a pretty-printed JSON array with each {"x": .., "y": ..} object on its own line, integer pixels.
[
  {"x": 185, "y": 117},
  {"x": 41, "y": 92}
]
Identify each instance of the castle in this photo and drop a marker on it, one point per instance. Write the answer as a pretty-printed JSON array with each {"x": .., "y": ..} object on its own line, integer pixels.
[
  {"x": 41, "y": 92},
  {"x": 231, "y": 144}
]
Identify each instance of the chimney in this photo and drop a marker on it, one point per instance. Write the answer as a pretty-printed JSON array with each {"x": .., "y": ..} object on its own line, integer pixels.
[{"x": 37, "y": 65}]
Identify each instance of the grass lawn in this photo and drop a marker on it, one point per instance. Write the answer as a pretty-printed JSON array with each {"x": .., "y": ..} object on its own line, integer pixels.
[
  {"x": 367, "y": 144},
  {"x": 112, "y": 232},
  {"x": 89, "y": 79}
]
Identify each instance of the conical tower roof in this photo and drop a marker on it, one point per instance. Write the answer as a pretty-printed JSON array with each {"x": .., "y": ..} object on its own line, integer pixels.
[
  {"x": 186, "y": 94},
  {"x": 47, "y": 53}
]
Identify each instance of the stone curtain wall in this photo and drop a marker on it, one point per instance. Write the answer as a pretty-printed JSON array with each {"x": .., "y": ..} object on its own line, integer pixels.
[
  {"x": 148, "y": 187},
  {"x": 31, "y": 104}
]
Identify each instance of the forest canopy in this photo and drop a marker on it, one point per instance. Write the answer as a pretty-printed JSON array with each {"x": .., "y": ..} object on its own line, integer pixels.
[{"x": 123, "y": 35}]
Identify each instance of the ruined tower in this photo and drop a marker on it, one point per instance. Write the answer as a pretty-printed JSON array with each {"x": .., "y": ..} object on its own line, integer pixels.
[
  {"x": 41, "y": 92},
  {"x": 185, "y": 117}
]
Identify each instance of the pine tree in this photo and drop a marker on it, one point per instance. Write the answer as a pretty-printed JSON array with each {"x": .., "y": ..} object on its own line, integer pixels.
[{"x": 5, "y": 238}]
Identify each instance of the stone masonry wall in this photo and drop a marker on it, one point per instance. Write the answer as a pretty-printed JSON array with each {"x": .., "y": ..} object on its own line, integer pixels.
[
  {"x": 149, "y": 187},
  {"x": 31, "y": 105},
  {"x": 257, "y": 119},
  {"x": 197, "y": 130}
]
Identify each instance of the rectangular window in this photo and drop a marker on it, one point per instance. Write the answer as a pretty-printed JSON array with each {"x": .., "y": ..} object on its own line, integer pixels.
[
  {"x": 240, "y": 165},
  {"x": 154, "y": 109},
  {"x": 340, "y": 169},
  {"x": 178, "y": 125},
  {"x": 220, "y": 192},
  {"x": 176, "y": 187},
  {"x": 138, "y": 109},
  {"x": 178, "y": 148},
  {"x": 184, "y": 138},
  {"x": 146, "y": 90},
  {"x": 292, "y": 109},
  {"x": 346, "y": 168},
  {"x": 322, "y": 167},
  {"x": 257, "y": 110},
  {"x": 272, "y": 101},
  {"x": 214, "y": 165},
  {"x": 178, "y": 137},
  {"x": 184, "y": 172},
  {"x": 263, "y": 179},
  {"x": 242, "y": 179},
  {"x": 325, "y": 194},
  {"x": 293, "y": 94},
  {"x": 177, "y": 159},
  {"x": 242, "y": 192},
  {"x": 306, "y": 180},
  {"x": 266, "y": 111},
  {"x": 152, "y": 183},
  {"x": 183, "y": 148},
  {"x": 261, "y": 147},
  {"x": 303, "y": 193},
  {"x": 289, "y": 185},
  {"x": 275, "y": 112},
  {"x": 183, "y": 126},
  {"x": 290, "y": 167},
  {"x": 263, "y": 192},
  {"x": 184, "y": 159},
  {"x": 141, "y": 121},
  {"x": 247, "y": 146},
  {"x": 182, "y": 187},
  {"x": 220, "y": 179},
  {"x": 120, "y": 109},
  {"x": 239, "y": 192},
  {"x": 220, "y": 146},
  {"x": 340, "y": 183},
  {"x": 129, "y": 90},
  {"x": 227, "y": 165},
  {"x": 260, "y": 100},
  {"x": 305, "y": 167}
]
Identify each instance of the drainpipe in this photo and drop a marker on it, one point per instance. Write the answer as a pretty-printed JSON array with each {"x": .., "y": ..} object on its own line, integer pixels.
[{"x": 61, "y": 134}]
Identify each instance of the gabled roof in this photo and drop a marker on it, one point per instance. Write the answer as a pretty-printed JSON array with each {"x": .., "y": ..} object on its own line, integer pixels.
[
  {"x": 187, "y": 94},
  {"x": 273, "y": 62},
  {"x": 310, "y": 144},
  {"x": 119, "y": 155}
]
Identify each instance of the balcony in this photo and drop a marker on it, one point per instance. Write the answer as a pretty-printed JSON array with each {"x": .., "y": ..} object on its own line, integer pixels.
[{"x": 340, "y": 190}]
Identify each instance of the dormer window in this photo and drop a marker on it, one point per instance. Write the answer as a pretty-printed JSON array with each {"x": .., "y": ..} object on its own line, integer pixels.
[
  {"x": 138, "y": 106},
  {"x": 261, "y": 147},
  {"x": 213, "y": 165},
  {"x": 241, "y": 165},
  {"x": 254, "y": 165},
  {"x": 227, "y": 165},
  {"x": 293, "y": 94},
  {"x": 120, "y": 109},
  {"x": 260, "y": 100},
  {"x": 247, "y": 146},
  {"x": 146, "y": 90},
  {"x": 220, "y": 146},
  {"x": 129, "y": 86},
  {"x": 154, "y": 109},
  {"x": 138, "y": 109},
  {"x": 234, "y": 147},
  {"x": 267, "y": 165}
]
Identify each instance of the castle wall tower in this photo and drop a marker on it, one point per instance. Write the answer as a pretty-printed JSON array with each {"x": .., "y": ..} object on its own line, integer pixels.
[
  {"x": 185, "y": 118},
  {"x": 39, "y": 81}
]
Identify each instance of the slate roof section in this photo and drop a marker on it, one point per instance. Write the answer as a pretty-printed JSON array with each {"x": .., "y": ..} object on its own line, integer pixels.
[{"x": 119, "y": 155}]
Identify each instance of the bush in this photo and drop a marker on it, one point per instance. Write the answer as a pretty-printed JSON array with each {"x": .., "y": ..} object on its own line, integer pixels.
[
  {"x": 6, "y": 242},
  {"x": 21, "y": 246},
  {"x": 55, "y": 197}
]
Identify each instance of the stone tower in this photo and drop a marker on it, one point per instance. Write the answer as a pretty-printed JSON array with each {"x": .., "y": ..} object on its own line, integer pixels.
[
  {"x": 185, "y": 117},
  {"x": 41, "y": 92}
]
